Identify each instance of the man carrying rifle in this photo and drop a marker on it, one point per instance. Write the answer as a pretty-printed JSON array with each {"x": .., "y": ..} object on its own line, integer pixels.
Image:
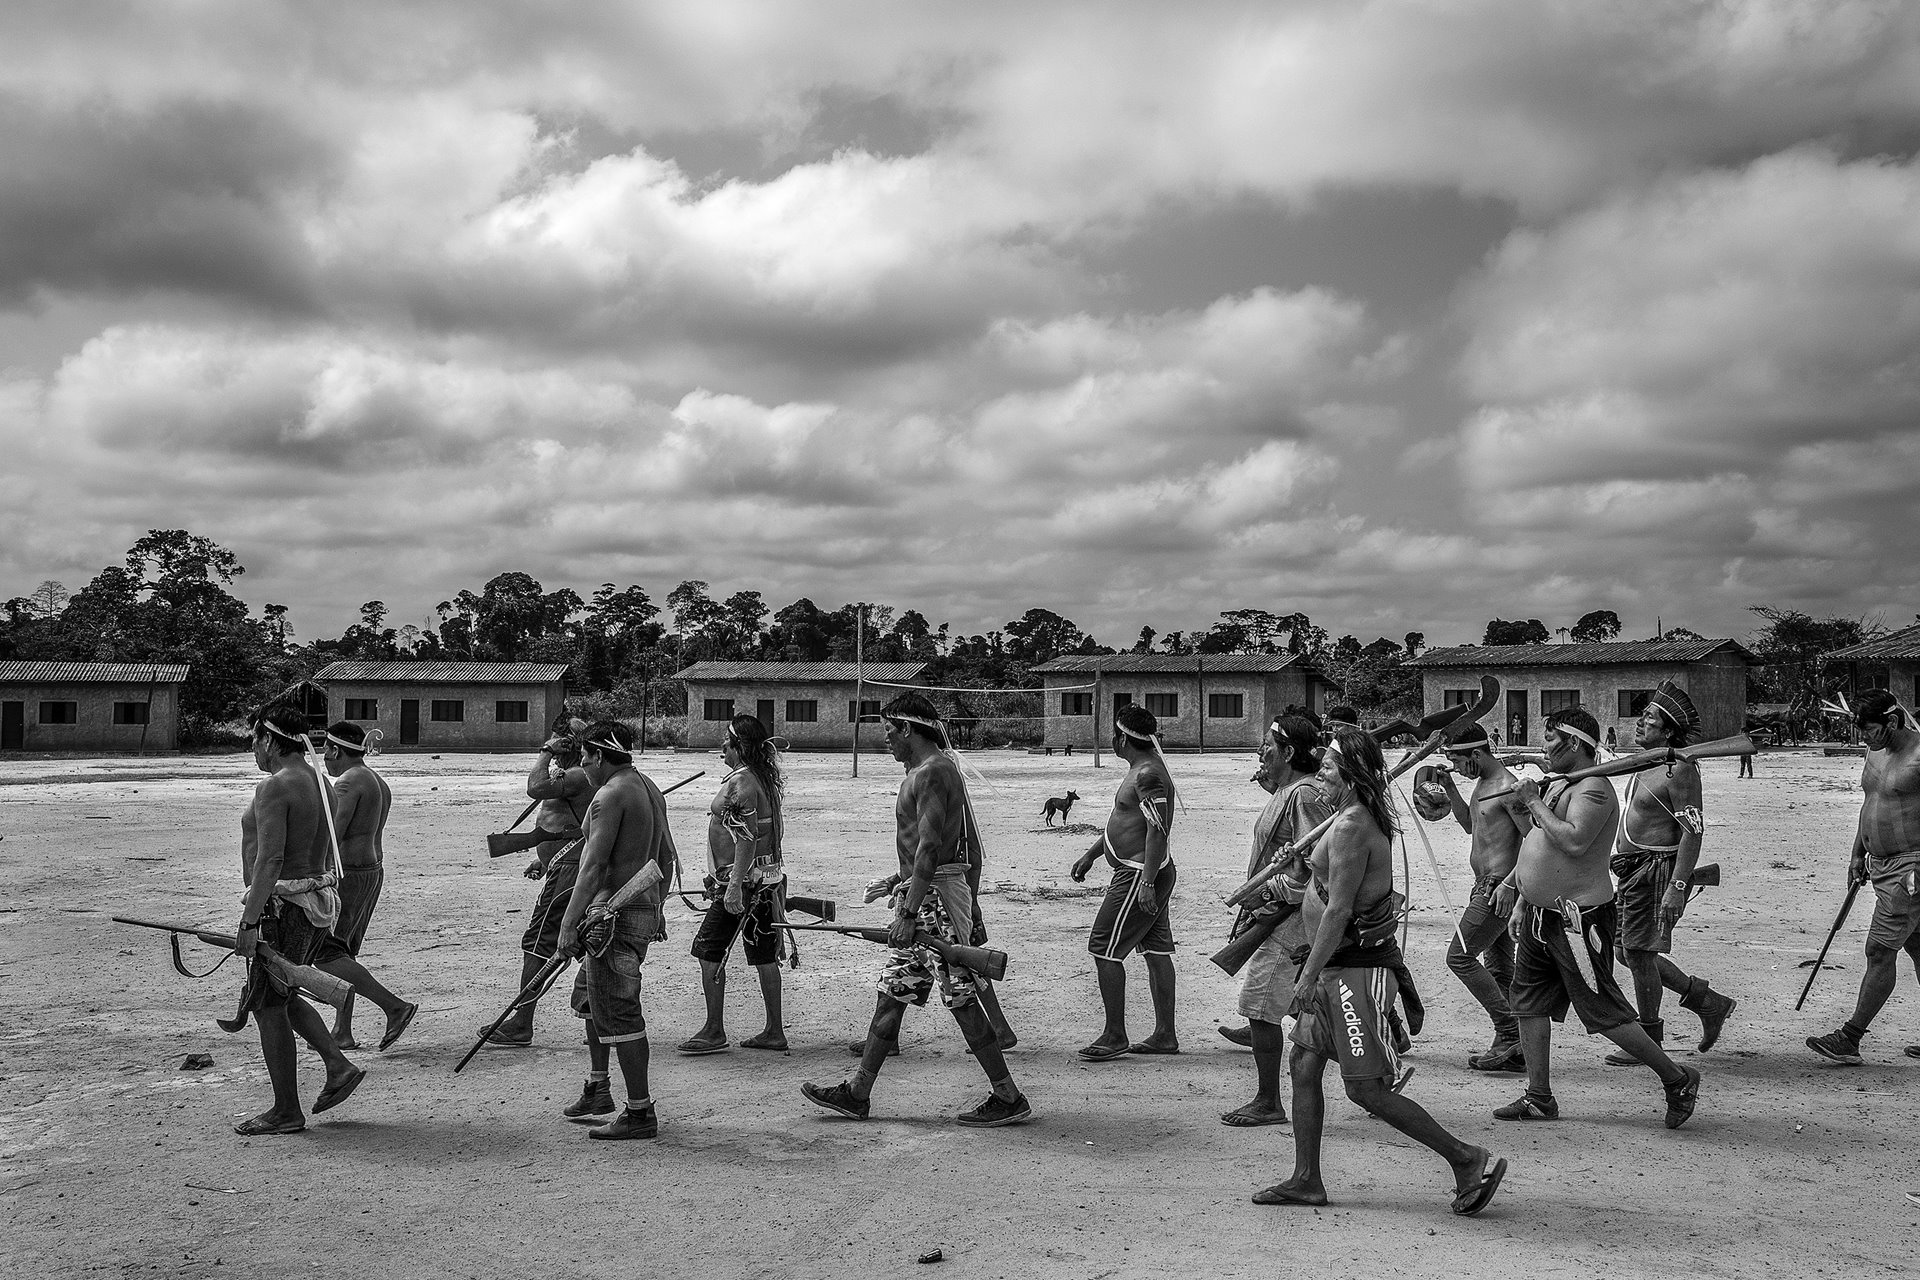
[
  {"x": 1289, "y": 759},
  {"x": 1886, "y": 853},
  {"x": 563, "y": 790},
  {"x": 625, "y": 842},
  {"x": 361, "y": 802},
  {"x": 1346, "y": 985},
  {"x": 287, "y": 862},
  {"x": 1653, "y": 861},
  {"x": 1563, "y": 923},
  {"x": 746, "y": 879},
  {"x": 1482, "y": 928},
  {"x": 935, "y": 896}
]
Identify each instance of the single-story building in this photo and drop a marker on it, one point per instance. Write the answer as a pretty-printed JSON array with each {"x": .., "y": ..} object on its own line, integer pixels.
[
  {"x": 1207, "y": 702},
  {"x": 1892, "y": 663},
  {"x": 1611, "y": 680},
  {"x": 810, "y": 704},
  {"x": 448, "y": 706},
  {"x": 90, "y": 706}
]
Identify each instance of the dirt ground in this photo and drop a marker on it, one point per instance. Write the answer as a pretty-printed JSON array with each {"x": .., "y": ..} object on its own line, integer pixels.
[{"x": 115, "y": 1161}]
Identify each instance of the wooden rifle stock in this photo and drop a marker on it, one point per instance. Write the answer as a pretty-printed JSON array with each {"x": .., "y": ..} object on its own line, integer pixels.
[
  {"x": 985, "y": 961},
  {"x": 317, "y": 983},
  {"x": 1641, "y": 761},
  {"x": 1281, "y": 856},
  {"x": 1240, "y": 948}
]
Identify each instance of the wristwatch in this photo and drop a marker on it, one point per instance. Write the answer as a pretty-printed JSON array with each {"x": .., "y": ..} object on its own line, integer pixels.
[{"x": 1677, "y": 883}]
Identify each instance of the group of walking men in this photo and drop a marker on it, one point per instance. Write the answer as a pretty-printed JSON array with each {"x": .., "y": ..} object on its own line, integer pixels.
[{"x": 1536, "y": 940}]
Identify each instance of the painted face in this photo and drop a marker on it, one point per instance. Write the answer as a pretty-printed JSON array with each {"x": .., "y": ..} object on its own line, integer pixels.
[
  {"x": 1562, "y": 750},
  {"x": 1873, "y": 733},
  {"x": 1464, "y": 763},
  {"x": 1650, "y": 730}
]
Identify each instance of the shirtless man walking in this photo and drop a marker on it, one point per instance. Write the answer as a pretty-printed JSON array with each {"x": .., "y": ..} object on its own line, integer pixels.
[
  {"x": 361, "y": 802},
  {"x": 1345, "y": 986},
  {"x": 1886, "y": 853},
  {"x": 1133, "y": 915},
  {"x": 1564, "y": 922},
  {"x": 625, "y": 836},
  {"x": 1653, "y": 861},
  {"x": 287, "y": 863},
  {"x": 1482, "y": 928},
  {"x": 934, "y": 895},
  {"x": 564, "y": 791}
]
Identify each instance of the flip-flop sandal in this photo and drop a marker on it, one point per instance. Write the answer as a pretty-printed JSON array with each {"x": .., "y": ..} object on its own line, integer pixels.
[
  {"x": 698, "y": 1048},
  {"x": 398, "y": 1029},
  {"x": 1148, "y": 1046},
  {"x": 258, "y": 1127},
  {"x": 1477, "y": 1196},
  {"x": 1912, "y": 1051},
  {"x": 335, "y": 1094},
  {"x": 1241, "y": 1118},
  {"x": 1282, "y": 1194},
  {"x": 1105, "y": 1052}
]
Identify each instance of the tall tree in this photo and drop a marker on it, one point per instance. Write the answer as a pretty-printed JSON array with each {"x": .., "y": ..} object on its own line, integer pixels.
[
  {"x": 1596, "y": 628},
  {"x": 1040, "y": 635},
  {"x": 1792, "y": 647},
  {"x": 1532, "y": 631}
]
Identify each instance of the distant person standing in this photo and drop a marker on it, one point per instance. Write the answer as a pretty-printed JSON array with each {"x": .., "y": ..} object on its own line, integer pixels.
[
  {"x": 1746, "y": 765},
  {"x": 361, "y": 803}
]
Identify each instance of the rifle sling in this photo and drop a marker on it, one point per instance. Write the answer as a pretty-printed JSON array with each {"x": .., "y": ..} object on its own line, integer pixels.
[{"x": 180, "y": 963}]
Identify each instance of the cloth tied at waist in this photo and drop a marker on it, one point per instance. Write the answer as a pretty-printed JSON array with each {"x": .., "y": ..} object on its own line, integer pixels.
[{"x": 317, "y": 896}]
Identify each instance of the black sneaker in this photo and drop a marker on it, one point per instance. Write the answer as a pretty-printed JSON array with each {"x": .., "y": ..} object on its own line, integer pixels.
[
  {"x": 839, "y": 1098},
  {"x": 1682, "y": 1098},
  {"x": 995, "y": 1112},
  {"x": 1837, "y": 1046},
  {"x": 596, "y": 1099},
  {"x": 1501, "y": 1055}
]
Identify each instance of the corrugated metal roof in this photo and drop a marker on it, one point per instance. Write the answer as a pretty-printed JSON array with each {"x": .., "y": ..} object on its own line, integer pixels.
[
  {"x": 798, "y": 672},
  {"x": 1169, "y": 663},
  {"x": 93, "y": 672},
  {"x": 1904, "y": 643},
  {"x": 1612, "y": 653},
  {"x": 437, "y": 672}
]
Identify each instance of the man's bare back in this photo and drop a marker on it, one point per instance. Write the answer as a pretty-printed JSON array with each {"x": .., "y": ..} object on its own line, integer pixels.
[
  {"x": 283, "y": 835},
  {"x": 361, "y": 803}
]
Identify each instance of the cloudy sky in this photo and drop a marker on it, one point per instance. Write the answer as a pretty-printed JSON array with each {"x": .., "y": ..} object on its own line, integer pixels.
[{"x": 1405, "y": 314}]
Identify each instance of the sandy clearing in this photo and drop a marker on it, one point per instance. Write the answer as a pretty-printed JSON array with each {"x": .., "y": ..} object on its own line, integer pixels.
[{"x": 1790, "y": 1168}]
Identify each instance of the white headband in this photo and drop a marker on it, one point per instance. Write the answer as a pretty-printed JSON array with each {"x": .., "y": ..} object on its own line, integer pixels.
[
  {"x": 903, "y": 716},
  {"x": 1148, "y": 738},
  {"x": 363, "y": 748},
  {"x": 1572, "y": 732},
  {"x": 602, "y": 744}
]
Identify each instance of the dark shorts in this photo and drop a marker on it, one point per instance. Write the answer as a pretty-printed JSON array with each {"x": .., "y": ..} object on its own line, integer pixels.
[
  {"x": 1346, "y": 1021},
  {"x": 287, "y": 930},
  {"x": 1548, "y": 978},
  {"x": 1896, "y": 905},
  {"x": 1121, "y": 927},
  {"x": 542, "y": 938},
  {"x": 359, "y": 894},
  {"x": 606, "y": 991},
  {"x": 1638, "y": 898},
  {"x": 760, "y": 939}
]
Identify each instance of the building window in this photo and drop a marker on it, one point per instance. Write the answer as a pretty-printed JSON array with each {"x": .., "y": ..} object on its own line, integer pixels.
[
  {"x": 509, "y": 712},
  {"x": 1552, "y": 700},
  {"x": 1120, "y": 701},
  {"x": 59, "y": 713},
  {"x": 868, "y": 707},
  {"x": 129, "y": 713},
  {"x": 803, "y": 711},
  {"x": 1165, "y": 706},
  {"x": 1226, "y": 706},
  {"x": 1076, "y": 704},
  {"x": 452, "y": 710},
  {"x": 1458, "y": 697},
  {"x": 1633, "y": 702},
  {"x": 361, "y": 709},
  {"x": 716, "y": 708}
]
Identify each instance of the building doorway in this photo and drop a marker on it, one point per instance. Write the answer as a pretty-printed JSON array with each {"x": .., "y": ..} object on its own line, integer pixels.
[
  {"x": 763, "y": 712},
  {"x": 409, "y": 722},
  {"x": 13, "y": 726},
  {"x": 1517, "y": 717}
]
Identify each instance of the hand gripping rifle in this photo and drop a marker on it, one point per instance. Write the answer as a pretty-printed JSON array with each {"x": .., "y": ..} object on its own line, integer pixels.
[
  {"x": 317, "y": 983},
  {"x": 1641, "y": 761},
  {"x": 985, "y": 961},
  {"x": 500, "y": 844}
]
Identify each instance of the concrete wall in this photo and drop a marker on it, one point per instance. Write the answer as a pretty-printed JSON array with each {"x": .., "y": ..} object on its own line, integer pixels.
[
  {"x": 1263, "y": 694},
  {"x": 95, "y": 729},
  {"x": 832, "y": 731},
  {"x": 1900, "y": 676},
  {"x": 1717, "y": 685},
  {"x": 477, "y": 731}
]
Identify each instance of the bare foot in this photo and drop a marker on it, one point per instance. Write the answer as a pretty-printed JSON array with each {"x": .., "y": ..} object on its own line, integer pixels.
[
  {"x": 1254, "y": 1114},
  {"x": 343, "y": 1038},
  {"x": 768, "y": 1039},
  {"x": 1293, "y": 1191}
]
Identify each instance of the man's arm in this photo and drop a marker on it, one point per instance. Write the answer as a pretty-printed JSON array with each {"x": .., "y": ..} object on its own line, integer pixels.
[
  {"x": 269, "y": 855},
  {"x": 542, "y": 785},
  {"x": 933, "y": 812},
  {"x": 1684, "y": 798},
  {"x": 1085, "y": 862},
  {"x": 1156, "y": 806},
  {"x": 605, "y": 817},
  {"x": 738, "y": 815},
  {"x": 1457, "y": 804},
  {"x": 1587, "y": 814},
  {"x": 1347, "y": 869}
]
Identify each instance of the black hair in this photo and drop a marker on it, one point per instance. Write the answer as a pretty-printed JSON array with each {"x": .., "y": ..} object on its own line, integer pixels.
[
  {"x": 350, "y": 731},
  {"x": 1359, "y": 761},
  {"x": 287, "y": 718},
  {"x": 611, "y": 731},
  {"x": 916, "y": 704},
  {"x": 758, "y": 754},
  {"x": 1342, "y": 714},
  {"x": 1875, "y": 706},
  {"x": 1137, "y": 718},
  {"x": 1299, "y": 739},
  {"x": 1576, "y": 717}
]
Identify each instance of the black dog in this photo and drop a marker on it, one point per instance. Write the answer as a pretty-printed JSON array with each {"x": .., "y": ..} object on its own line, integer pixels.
[{"x": 1056, "y": 804}]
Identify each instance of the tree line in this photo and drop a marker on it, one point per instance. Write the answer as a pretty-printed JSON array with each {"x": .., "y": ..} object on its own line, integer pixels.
[{"x": 170, "y": 600}]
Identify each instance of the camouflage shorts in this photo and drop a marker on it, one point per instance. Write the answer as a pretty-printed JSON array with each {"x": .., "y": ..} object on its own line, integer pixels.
[{"x": 946, "y": 912}]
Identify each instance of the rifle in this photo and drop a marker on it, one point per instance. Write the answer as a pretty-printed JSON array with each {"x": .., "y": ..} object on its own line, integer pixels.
[
  {"x": 1853, "y": 891},
  {"x": 1281, "y": 857},
  {"x": 819, "y": 908},
  {"x": 504, "y": 843},
  {"x": 1640, "y": 761},
  {"x": 317, "y": 983},
  {"x": 535, "y": 988},
  {"x": 985, "y": 961},
  {"x": 1240, "y": 948}
]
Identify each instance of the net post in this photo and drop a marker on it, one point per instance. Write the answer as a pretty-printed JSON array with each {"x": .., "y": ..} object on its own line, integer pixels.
[{"x": 1099, "y": 693}]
